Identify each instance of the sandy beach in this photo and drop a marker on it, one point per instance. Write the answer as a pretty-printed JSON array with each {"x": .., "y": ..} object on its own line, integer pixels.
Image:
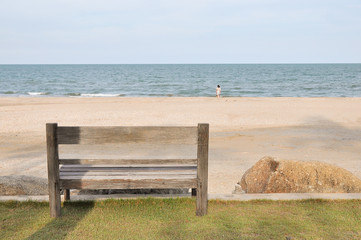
[{"x": 242, "y": 130}]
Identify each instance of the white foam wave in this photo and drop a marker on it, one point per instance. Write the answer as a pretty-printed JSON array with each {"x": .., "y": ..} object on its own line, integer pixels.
[
  {"x": 37, "y": 93},
  {"x": 99, "y": 95}
]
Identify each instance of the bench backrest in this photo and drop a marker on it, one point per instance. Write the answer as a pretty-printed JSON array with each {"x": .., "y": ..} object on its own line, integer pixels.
[{"x": 102, "y": 135}]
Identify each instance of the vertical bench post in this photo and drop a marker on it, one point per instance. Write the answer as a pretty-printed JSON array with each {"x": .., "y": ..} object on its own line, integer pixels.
[
  {"x": 53, "y": 169},
  {"x": 202, "y": 169},
  {"x": 194, "y": 192},
  {"x": 66, "y": 194}
]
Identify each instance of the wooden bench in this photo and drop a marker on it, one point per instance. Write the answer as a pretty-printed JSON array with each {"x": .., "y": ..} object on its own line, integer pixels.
[{"x": 65, "y": 174}]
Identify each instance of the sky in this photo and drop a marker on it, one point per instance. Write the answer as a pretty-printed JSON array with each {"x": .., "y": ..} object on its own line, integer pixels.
[{"x": 184, "y": 31}]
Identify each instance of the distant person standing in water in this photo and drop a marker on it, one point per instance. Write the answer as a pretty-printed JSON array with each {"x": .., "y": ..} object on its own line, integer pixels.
[{"x": 218, "y": 91}]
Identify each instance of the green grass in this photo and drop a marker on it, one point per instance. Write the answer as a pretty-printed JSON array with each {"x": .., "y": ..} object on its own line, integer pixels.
[{"x": 175, "y": 219}]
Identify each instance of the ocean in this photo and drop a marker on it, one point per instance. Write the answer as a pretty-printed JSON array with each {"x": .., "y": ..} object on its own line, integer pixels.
[{"x": 181, "y": 80}]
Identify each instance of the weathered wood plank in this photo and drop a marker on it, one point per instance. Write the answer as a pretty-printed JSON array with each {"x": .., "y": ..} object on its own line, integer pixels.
[
  {"x": 188, "y": 172},
  {"x": 202, "y": 169},
  {"x": 129, "y": 161},
  {"x": 131, "y": 177},
  {"x": 75, "y": 168},
  {"x": 101, "y": 135},
  {"x": 128, "y": 184},
  {"x": 53, "y": 169}
]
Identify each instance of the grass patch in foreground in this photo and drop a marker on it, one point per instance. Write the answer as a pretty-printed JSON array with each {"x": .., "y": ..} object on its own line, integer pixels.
[{"x": 175, "y": 219}]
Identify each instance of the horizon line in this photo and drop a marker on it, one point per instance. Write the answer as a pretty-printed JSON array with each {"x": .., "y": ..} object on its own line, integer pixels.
[{"x": 178, "y": 63}]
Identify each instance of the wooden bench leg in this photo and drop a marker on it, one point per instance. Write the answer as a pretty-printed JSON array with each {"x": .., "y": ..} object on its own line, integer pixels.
[
  {"x": 201, "y": 200},
  {"x": 66, "y": 194},
  {"x": 202, "y": 169},
  {"x": 54, "y": 200},
  {"x": 53, "y": 169}
]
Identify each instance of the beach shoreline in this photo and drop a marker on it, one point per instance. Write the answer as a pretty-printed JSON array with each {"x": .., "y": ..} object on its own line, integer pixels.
[{"x": 242, "y": 129}]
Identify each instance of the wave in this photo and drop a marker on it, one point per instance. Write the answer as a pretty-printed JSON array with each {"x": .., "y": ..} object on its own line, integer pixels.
[
  {"x": 101, "y": 95},
  {"x": 161, "y": 95},
  {"x": 8, "y": 92},
  {"x": 73, "y": 94},
  {"x": 38, "y": 93}
]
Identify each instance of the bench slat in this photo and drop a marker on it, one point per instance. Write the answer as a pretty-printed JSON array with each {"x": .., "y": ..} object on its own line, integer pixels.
[
  {"x": 107, "y": 173},
  {"x": 128, "y": 161},
  {"x": 76, "y": 168},
  {"x": 101, "y": 135},
  {"x": 127, "y": 184},
  {"x": 131, "y": 177}
]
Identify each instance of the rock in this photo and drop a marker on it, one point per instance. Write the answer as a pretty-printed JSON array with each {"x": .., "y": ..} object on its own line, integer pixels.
[
  {"x": 23, "y": 185},
  {"x": 286, "y": 176}
]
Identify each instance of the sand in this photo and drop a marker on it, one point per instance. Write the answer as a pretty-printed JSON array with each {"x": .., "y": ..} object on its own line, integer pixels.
[{"x": 242, "y": 130}]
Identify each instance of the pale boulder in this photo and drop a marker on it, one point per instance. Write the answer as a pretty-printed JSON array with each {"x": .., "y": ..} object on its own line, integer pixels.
[{"x": 286, "y": 176}]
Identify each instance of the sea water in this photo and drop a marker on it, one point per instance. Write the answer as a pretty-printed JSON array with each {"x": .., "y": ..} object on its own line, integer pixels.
[{"x": 182, "y": 80}]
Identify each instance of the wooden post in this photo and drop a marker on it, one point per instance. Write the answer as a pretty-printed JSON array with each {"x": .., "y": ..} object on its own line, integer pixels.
[
  {"x": 202, "y": 169},
  {"x": 53, "y": 169},
  {"x": 66, "y": 194}
]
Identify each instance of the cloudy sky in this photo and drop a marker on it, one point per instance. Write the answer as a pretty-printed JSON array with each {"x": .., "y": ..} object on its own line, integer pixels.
[{"x": 184, "y": 31}]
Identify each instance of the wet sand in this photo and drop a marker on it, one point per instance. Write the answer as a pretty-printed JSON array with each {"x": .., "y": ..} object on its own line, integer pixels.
[{"x": 242, "y": 130}]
